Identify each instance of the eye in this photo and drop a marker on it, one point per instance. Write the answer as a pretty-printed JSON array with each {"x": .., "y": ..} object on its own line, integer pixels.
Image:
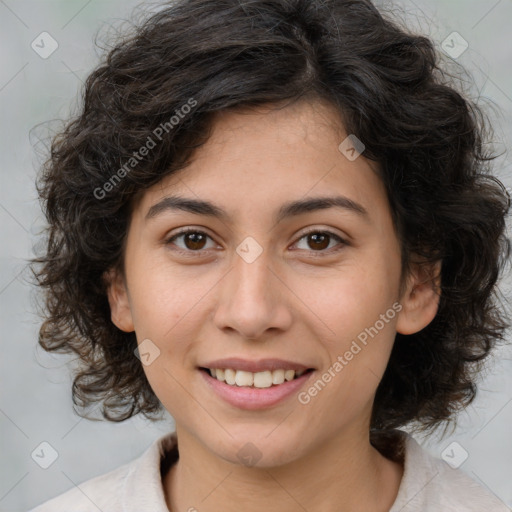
[
  {"x": 194, "y": 240},
  {"x": 318, "y": 240}
]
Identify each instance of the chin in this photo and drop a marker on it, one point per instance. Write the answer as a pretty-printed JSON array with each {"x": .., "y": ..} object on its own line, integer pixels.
[{"x": 258, "y": 450}]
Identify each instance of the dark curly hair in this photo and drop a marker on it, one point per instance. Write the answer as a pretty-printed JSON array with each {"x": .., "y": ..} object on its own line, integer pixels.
[{"x": 388, "y": 85}]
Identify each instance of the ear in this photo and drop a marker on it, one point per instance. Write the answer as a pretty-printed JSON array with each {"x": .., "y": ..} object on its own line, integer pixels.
[
  {"x": 117, "y": 292},
  {"x": 420, "y": 298}
]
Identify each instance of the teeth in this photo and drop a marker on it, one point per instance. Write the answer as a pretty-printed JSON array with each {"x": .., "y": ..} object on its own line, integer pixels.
[
  {"x": 258, "y": 380},
  {"x": 262, "y": 379},
  {"x": 244, "y": 378},
  {"x": 278, "y": 376},
  {"x": 230, "y": 376},
  {"x": 289, "y": 374}
]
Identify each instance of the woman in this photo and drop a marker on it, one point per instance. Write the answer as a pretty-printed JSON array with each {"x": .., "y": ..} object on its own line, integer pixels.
[{"x": 274, "y": 219}]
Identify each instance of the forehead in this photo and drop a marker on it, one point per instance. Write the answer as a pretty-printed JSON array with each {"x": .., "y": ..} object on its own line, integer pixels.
[{"x": 263, "y": 157}]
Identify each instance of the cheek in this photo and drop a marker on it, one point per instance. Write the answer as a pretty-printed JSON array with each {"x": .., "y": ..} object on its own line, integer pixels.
[
  {"x": 358, "y": 309},
  {"x": 346, "y": 388},
  {"x": 350, "y": 301},
  {"x": 165, "y": 296}
]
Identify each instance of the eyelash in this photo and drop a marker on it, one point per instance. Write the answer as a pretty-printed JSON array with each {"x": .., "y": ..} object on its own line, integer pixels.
[{"x": 191, "y": 253}]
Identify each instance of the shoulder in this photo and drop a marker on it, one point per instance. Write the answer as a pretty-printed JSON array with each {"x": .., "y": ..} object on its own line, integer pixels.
[
  {"x": 102, "y": 492},
  {"x": 119, "y": 489},
  {"x": 430, "y": 484}
]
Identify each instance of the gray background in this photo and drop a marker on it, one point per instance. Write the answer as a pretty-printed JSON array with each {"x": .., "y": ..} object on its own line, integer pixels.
[{"x": 35, "y": 401}]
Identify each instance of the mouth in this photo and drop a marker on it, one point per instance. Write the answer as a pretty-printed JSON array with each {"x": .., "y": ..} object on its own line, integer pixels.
[
  {"x": 258, "y": 390},
  {"x": 256, "y": 380}
]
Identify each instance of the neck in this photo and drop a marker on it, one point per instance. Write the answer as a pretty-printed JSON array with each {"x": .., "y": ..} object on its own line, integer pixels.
[{"x": 344, "y": 474}]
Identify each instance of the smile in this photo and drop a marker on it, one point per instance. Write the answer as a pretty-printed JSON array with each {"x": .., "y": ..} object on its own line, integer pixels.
[
  {"x": 264, "y": 379},
  {"x": 253, "y": 391}
]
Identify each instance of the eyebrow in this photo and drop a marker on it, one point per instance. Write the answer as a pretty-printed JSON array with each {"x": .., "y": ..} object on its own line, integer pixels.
[{"x": 287, "y": 210}]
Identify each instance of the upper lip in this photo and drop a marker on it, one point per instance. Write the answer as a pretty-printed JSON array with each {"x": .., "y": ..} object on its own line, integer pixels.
[{"x": 261, "y": 365}]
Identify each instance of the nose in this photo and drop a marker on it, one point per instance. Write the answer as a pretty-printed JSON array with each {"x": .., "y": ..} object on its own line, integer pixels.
[{"x": 253, "y": 299}]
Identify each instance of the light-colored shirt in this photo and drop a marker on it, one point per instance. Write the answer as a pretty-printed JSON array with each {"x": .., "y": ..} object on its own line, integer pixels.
[{"x": 428, "y": 485}]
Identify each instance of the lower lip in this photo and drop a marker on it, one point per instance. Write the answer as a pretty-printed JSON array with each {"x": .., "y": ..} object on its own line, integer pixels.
[{"x": 250, "y": 398}]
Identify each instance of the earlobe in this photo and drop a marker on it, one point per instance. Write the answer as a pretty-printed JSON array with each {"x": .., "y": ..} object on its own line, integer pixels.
[
  {"x": 117, "y": 293},
  {"x": 420, "y": 299}
]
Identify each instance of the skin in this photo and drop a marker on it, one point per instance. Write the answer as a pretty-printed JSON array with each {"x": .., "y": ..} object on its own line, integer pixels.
[{"x": 295, "y": 301}]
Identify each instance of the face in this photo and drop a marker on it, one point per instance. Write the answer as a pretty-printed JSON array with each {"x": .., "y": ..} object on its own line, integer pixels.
[{"x": 316, "y": 288}]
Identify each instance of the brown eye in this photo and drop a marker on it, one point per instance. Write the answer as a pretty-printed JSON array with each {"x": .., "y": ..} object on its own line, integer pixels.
[
  {"x": 319, "y": 241},
  {"x": 192, "y": 240}
]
